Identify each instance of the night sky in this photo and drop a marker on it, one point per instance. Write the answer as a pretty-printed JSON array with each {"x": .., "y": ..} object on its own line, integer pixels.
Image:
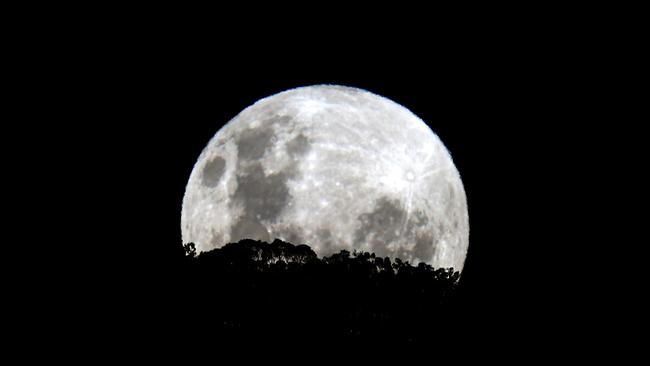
[{"x": 511, "y": 114}]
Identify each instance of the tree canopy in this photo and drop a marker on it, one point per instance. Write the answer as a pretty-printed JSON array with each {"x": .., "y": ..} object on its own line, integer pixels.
[{"x": 256, "y": 290}]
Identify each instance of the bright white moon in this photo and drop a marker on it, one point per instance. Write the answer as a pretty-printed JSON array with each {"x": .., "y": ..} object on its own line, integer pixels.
[{"x": 332, "y": 167}]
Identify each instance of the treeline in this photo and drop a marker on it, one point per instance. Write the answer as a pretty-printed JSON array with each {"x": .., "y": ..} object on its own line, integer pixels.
[{"x": 258, "y": 291}]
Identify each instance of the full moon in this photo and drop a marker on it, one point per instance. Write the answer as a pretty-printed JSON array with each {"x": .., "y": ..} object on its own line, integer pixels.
[{"x": 335, "y": 168}]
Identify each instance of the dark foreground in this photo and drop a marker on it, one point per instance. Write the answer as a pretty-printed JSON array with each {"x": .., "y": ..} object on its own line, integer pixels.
[{"x": 257, "y": 293}]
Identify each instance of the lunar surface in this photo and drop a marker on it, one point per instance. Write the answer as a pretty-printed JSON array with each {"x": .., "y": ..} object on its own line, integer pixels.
[{"x": 332, "y": 167}]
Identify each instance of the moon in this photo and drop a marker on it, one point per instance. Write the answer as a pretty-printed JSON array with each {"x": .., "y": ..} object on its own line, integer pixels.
[{"x": 332, "y": 167}]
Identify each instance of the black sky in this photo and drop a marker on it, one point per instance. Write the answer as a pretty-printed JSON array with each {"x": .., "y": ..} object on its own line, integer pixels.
[
  {"x": 535, "y": 105},
  {"x": 517, "y": 111}
]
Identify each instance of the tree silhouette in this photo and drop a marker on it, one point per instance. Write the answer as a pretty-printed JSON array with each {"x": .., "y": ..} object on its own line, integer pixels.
[
  {"x": 190, "y": 250},
  {"x": 254, "y": 290}
]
